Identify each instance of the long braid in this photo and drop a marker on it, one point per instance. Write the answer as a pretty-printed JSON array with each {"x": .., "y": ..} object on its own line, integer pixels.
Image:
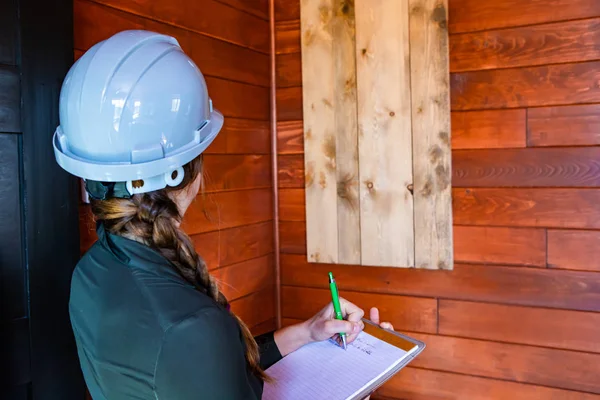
[{"x": 153, "y": 219}]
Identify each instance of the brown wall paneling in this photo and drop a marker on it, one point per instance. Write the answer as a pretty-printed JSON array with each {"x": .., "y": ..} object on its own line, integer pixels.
[
  {"x": 242, "y": 136},
  {"x": 290, "y": 137},
  {"x": 564, "y": 126},
  {"x": 287, "y": 37},
  {"x": 573, "y": 249},
  {"x": 259, "y": 8},
  {"x": 488, "y": 129}
]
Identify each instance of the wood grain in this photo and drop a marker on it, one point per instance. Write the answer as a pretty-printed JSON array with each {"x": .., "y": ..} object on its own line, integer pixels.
[
  {"x": 497, "y": 245},
  {"x": 264, "y": 327},
  {"x": 422, "y": 384},
  {"x": 330, "y": 131},
  {"x": 526, "y": 87},
  {"x": 94, "y": 22},
  {"x": 564, "y": 126},
  {"x": 227, "y": 210},
  {"x": 551, "y": 207},
  {"x": 234, "y": 245},
  {"x": 524, "y": 364},
  {"x": 242, "y": 136},
  {"x": 289, "y": 70},
  {"x": 563, "y": 329},
  {"x": 291, "y": 171},
  {"x": 473, "y": 15},
  {"x": 225, "y": 22},
  {"x": 562, "y": 42},
  {"x": 432, "y": 166},
  {"x": 292, "y": 205},
  {"x": 289, "y": 104},
  {"x": 232, "y": 99},
  {"x": 385, "y": 147},
  {"x": 235, "y": 172},
  {"x": 286, "y": 10},
  {"x": 405, "y": 313},
  {"x": 292, "y": 237},
  {"x": 256, "y": 308},
  {"x": 10, "y": 100},
  {"x": 260, "y": 8},
  {"x": 489, "y": 129},
  {"x": 290, "y": 137},
  {"x": 287, "y": 37},
  {"x": 239, "y": 280},
  {"x": 562, "y": 289},
  {"x": 573, "y": 250},
  {"x": 542, "y": 167}
]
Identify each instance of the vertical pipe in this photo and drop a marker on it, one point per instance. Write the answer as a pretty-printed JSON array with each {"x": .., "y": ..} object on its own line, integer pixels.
[{"x": 274, "y": 165}]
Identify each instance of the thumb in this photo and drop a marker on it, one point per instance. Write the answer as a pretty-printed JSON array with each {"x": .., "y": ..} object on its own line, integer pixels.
[{"x": 334, "y": 326}]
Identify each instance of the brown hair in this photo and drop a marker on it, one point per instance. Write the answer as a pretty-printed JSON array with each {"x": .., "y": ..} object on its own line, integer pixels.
[{"x": 153, "y": 219}]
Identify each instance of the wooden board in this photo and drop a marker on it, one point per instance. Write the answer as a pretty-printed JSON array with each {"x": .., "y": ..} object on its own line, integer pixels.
[
  {"x": 292, "y": 237},
  {"x": 383, "y": 77},
  {"x": 242, "y": 136},
  {"x": 489, "y": 129},
  {"x": 288, "y": 70},
  {"x": 561, "y": 42},
  {"x": 256, "y": 308},
  {"x": 289, "y": 104},
  {"x": 231, "y": 98},
  {"x": 570, "y": 167},
  {"x": 431, "y": 134},
  {"x": 234, "y": 172},
  {"x": 564, "y": 126},
  {"x": 573, "y": 250},
  {"x": 239, "y": 280},
  {"x": 563, "y": 329},
  {"x": 330, "y": 131},
  {"x": 287, "y": 37},
  {"x": 291, "y": 205},
  {"x": 290, "y": 137},
  {"x": 291, "y": 171},
  {"x": 286, "y": 10}
]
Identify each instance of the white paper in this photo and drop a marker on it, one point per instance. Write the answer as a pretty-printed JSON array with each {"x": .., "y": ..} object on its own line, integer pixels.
[{"x": 324, "y": 371}]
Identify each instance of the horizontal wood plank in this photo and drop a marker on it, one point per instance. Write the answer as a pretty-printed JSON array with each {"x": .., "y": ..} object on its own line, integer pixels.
[
  {"x": 242, "y": 136},
  {"x": 525, "y": 364},
  {"x": 235, "y": 172},
  {"x": 292, "y": 205},
  {"x": 550, "y": 85},
  {"x": 488, "y": 129},
  {"x": 94, "y": 22},
  {"x": 10, "y": 100},
  {"x": 256, "y": 308},
  {"x": 260, "y": 8},
  {"x": 225, "y": 22},
  {"x": 291, "y": 171},
  {"x": 290, "y": 137},
  {"x": 264, "y": 327},
  {"x": 289, "y": 104},
  {"x": 474, "y": 15},
  {"x": 234, "y": 245},
  {"x": 286, "y": 10},
  {"x": 551, "y": 207},
  {"x": 574, "y": 249},
  {"x": 223, "y": 210},
  {"x": 564, "y": 126},
  {"x": 562, "y": 42},
  {"x": 242, "y": 279},
  {"x": 289, "y": 70},
  {"x": 498, "y": 284},
  {"x": 542, "y": 167},
  {"x": 422, "y": 384},
  {"x": 232, "y": 99},
  {"x": 405, "y": 313},
  {"x": 292, "y": 237},
  {"x": 287, "y": 37},
  {"x": 498, "y": 245},
  {"x": 563, "y": 329}
]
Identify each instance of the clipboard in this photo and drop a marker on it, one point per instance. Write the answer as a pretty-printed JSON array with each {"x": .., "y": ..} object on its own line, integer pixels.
[{"x": 320, "y": 372}]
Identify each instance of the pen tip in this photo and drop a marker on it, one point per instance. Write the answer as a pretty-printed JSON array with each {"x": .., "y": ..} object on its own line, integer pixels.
[{"x": 344, "y": 342}]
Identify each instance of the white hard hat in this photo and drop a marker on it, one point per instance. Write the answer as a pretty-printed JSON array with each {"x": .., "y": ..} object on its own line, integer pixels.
[{"x": 134, "y": 107}]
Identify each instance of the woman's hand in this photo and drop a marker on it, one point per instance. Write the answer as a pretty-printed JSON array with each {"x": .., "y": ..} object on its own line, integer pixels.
[
  {"x": 323, "y": 325},
  {"x": 374, "y": 317}
]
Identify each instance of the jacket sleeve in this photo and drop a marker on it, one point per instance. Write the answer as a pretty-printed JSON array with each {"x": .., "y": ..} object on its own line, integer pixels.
[
  {"x": 269, "y": 352},
  {"x": 202, "y": 357}
]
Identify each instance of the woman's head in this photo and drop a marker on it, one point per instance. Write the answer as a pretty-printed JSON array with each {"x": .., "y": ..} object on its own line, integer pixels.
[{"x": 135, "y": 117}]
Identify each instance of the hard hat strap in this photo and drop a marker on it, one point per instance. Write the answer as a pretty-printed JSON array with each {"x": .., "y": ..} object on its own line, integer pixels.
[{"x": 105, "y": 190}]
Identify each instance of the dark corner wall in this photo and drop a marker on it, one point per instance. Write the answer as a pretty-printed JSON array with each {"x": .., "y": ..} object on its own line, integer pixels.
[{"x": 38, "y": 206}]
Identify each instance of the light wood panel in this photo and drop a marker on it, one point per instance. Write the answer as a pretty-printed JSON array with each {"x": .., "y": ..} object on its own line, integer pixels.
[
  {"x": 431, "y": 134},
  {"x": 385, "y": 148},
  {"x": 330, "y": 131}
]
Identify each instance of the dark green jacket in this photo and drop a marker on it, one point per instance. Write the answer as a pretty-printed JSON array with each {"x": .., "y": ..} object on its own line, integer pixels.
[{"x": 142, "y": 332}]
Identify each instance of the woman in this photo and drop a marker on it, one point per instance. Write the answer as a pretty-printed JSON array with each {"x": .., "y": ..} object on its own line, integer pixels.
[{"x": 148, "y": 318}]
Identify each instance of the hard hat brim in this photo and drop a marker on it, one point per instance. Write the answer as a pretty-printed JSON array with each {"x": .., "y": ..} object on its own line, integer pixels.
[{"x": 122, "y": 172}]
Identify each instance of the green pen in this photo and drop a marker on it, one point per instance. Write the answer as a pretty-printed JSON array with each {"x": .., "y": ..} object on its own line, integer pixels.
[{"x": 336, "y": 305}]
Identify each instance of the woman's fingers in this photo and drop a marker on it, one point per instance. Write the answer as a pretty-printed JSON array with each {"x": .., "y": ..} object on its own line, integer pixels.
[
  {"x": 387, "y": 325},
  {"x": 334, "y": 326},
  {"x": 374, "y": 315},
  {"x": 351, "y": 311}
]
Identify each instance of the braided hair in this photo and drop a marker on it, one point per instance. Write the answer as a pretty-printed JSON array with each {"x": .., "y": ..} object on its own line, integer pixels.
[{"x": 153, "y": 219}]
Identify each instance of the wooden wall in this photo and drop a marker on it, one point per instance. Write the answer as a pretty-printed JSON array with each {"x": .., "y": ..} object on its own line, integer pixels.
[
  {"x": 519, "y": 317},
  {"x": 232, "y": 226}
]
